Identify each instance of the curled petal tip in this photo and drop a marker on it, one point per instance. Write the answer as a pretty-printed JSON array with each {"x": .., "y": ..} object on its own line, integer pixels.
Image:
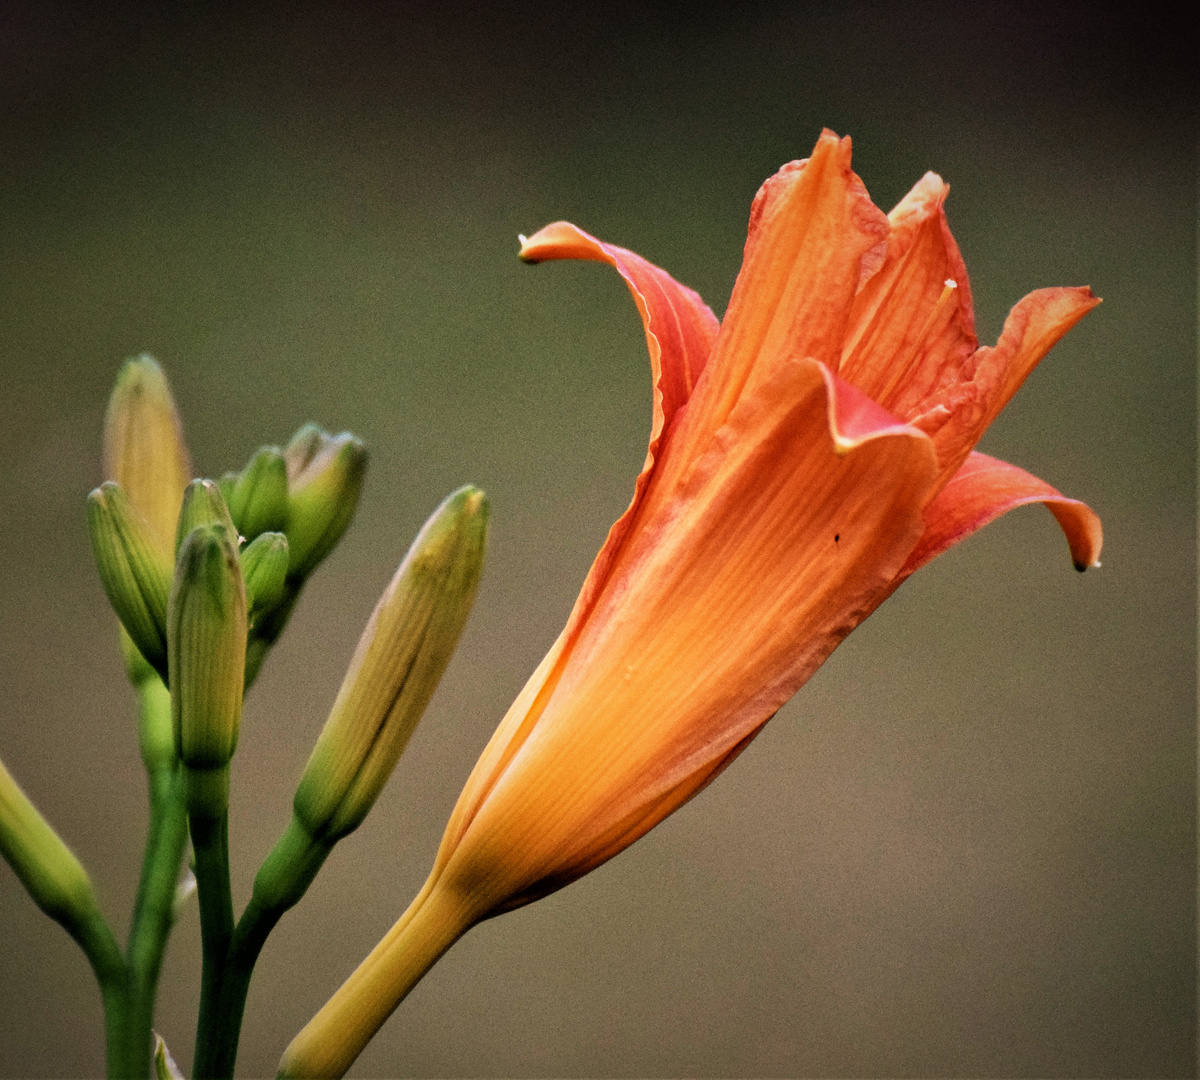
[{"x": 854, "y": 418}]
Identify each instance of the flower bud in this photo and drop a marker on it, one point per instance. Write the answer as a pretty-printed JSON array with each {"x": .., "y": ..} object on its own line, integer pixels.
[
  {"x": 264, "y": 570},
  {"x": 45, "y": 865},
  {"x": 144, "y": 450},
  {"x": 258, "y": 497},
  {"x": 206, "y": 636},
  {"x": 399, "y": 660},
  {"x": 325, "y": 475},
  {"x": 203, "y": 505},
  {"x": 135, "y": 570}
]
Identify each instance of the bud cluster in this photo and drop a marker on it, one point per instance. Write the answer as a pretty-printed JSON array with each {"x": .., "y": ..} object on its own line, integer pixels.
[{"x": 204, "y": 575}]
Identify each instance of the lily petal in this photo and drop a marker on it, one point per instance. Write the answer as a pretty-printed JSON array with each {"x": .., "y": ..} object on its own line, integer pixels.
[
  {"x": 814, "y": 234},
  {"x": 982, "y": 490},
  {"x": 912, "y": 327},
  {"x": 757, "y": 568},
  {"x": 680, "y": 333},
  {"x": 957, "y": 416},
  {"x": 680, "y": 327}
]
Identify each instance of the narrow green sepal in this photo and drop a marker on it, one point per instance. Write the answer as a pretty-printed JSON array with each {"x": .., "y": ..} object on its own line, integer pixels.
[
  {"x": 264, "y": 569},
  {"x": 258, "y": 500},
  {"x": 400, "y": 658},
  {"x": 325, "y": 475},
  {"x": 134, "y": 570},
  {"x": 203, "y": 505},
  {"x": 206, "y": 635}
]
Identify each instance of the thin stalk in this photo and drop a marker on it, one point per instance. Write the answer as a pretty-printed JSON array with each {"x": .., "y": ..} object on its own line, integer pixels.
[
  {"x": 104, "y": 954},
  {"x": 153, "y": 913},
  {"x": 281, "y": 881},
  {"x": 210, "y": 842}
]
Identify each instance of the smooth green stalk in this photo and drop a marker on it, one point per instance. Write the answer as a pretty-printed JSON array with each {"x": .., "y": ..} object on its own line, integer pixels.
[
  {"x": 154, "y": 915},
  {"x": 104, "y": 954},
  {"x": 280, "y": 883},
  {"x": 210, "y": 842}
]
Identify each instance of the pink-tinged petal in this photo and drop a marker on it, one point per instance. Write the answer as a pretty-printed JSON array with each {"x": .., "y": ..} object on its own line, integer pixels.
[
  {"x": 957, "y": 416},
  {"x": 680, "y": 333},
  {"x": 982, "y": 490},
  {"x": 680, "y": 327},
  {"x": 912, "y": 326},
  {"x": 778, "y": 539},
  {"x": 814, "y": 233}
]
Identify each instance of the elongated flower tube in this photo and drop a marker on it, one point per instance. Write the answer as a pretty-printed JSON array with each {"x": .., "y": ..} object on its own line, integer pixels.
[
  {"x": 324, "y": 478},
  {"x": 206, "y": 627},
  {"x": 135, "y": 570},
  {"x": 57, "y": 882},
  {"x": 411, "y": 635},
  {"x": 258, "y": 496},
  {"x": 144, "y": 450},
  {"x": 805, "y": 456},
  {"x": 203, "y": 504}
]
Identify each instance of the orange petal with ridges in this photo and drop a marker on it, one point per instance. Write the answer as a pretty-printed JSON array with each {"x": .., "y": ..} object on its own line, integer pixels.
[
  {"x": 723, "y": 604},
  {"x": 982, "y": 490},
  {"x": 912, "y": 327},
  {"x": 680, "y": 333},
  {"x": 813, "y": 229},
  {"x": 959, "y": 415}
]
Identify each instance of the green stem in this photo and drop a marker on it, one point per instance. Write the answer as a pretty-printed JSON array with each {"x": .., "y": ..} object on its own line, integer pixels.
[
  {"x": 281, "y": 881},
  {"x": 210, "y": 842},
  {"x": 154, "y": 912},
  {"x": 104, "y": 954}
]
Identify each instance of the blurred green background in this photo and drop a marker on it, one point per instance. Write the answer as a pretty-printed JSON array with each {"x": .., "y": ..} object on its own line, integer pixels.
[{"x": 968, "y": 846}]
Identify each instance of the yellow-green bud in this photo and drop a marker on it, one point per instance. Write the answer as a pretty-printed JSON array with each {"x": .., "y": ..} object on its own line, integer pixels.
[
  {"x": 399, "y": 660},
  {"x": 203, "y": 505},
  {"x": 206, "y": 637},
  {"x": 258, "y": 497},
  {"x": 144, "y": 450},
  {"x": 264, "y": 569},
  {"x": 45, "y": 865},
  {"x": 325, "y": 475},
  {"x": 135, "y": 570}
]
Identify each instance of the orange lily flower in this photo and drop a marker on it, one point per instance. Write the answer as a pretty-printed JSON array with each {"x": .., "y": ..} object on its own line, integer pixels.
[{"x": 805, "y": 457}]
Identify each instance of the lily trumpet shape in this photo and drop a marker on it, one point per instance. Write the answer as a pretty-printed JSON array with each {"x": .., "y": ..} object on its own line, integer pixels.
[{"x": 806, "y": 456}]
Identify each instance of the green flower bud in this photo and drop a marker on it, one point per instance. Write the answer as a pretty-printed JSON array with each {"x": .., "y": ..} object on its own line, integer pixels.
[
  {"x": 144, "y": 450},
  {"x": 134, "y": 568},
  {"x": 45, "y": 865},
  {"x": 258, "y": 498},
  {"x": 203, "y": 505},
  {"x": 400, "y": 658},
  {"x": 325, "y": 477},
  {"x": 206, "y": 638},
  {"x": 264, "y": 569}
]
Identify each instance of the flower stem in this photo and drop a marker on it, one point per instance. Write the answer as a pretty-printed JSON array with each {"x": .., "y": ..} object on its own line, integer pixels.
[
  {"x": 153, "y": 913},
  {"x": 280, "y": 883},
  {"x": 104, "y": 954},
  {"x": 210, "y": 842}
]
